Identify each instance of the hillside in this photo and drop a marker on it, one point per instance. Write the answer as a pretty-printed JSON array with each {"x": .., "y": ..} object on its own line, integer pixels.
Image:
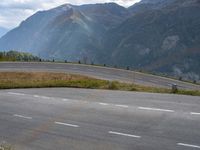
[
  {"x": 153, "y": 35},
  {"x": 66, "y": 32},
  {"x": 167, "y": 40}
]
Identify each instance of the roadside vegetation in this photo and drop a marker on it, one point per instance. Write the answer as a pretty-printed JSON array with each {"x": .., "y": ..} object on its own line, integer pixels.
[
  {"x": 5, "y": 146},
  {"x": 10, "y": 80},
  {"x": 17, "y": 56}
]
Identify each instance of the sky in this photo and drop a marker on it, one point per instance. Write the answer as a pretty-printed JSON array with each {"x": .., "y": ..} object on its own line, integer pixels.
[{"x": 13, "y": 12}]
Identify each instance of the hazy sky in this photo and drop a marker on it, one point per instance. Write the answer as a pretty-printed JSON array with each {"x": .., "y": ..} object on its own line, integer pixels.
[{"x": 12, "y": 12}]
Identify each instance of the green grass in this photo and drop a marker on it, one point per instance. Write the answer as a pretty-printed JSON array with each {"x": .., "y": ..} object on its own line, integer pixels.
[
  {"x": 5, "y": 146},
  {"x": 11, "y": 80}
]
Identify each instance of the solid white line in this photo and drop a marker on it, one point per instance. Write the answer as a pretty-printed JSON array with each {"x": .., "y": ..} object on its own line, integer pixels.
[
  {"x": 188, "y": 145},
  {"x": 155, "y": 109},
  {"x": 124, "y": 134},
  {"x": 21, "y": 116},
  {"x": 19, "y": 94},
  {"x": 124, "y": 106},
  {"x": 66, "y": 124},
  {"x": 194, "y": 113},
  {"x": 105, "y": 104}
]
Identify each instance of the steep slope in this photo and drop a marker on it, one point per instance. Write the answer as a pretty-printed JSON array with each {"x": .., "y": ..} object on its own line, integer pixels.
[
  {"x": 27, "y": 36},
  {"x": 162, "y": 40},
  {"x": 66, "y": 32},
  {"x": 146, "y": 5}
]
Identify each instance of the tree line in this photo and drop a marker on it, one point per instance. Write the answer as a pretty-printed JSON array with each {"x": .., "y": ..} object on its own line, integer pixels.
[{"x": 17, "y": 56}]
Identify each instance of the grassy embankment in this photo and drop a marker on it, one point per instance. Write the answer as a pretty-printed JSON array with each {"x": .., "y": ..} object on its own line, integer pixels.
[
  {"x": 5, "y": 147},
  {"x": 10, "y": 80}
]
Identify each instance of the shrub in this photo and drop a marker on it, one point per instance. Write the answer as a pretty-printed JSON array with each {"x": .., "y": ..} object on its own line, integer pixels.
[{"x": 113, "y": 85}]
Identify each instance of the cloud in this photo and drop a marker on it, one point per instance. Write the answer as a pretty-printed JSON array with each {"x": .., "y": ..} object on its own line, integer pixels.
[{"x": 12, "y": 12}]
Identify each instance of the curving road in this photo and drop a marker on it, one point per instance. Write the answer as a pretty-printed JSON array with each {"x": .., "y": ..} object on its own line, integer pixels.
[
  {"x": 83, "y": 119},
  {"x": 99, "y": 72},
  {"x": 80, "y": 119}
]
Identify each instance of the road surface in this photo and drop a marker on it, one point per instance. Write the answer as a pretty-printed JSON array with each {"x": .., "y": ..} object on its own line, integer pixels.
[
  {"x": 99, "y": 72},
  {"x": 82, "y": 119}
]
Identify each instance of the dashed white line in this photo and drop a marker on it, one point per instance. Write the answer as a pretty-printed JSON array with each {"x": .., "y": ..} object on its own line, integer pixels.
[
  {"x": 188, "y": 145},
  {"x": 36, "y": 96},
  {"x": 19, "y": 94},
  {"x": 105, "y": 104},
  {"x": 21, "y": 116},
  {"x": 155, "y": 109},
  {"x": 65, "y": 100},
  {"x": 66, "y": 124},
  {"x": 124, "y": 134},
  {"x": 43, "y": 97},
  {"x": 194, "y": 113},
  {"x": 124, "y": 106}
]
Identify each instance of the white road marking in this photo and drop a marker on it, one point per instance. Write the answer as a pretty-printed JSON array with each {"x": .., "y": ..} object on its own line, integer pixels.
[
  {"x": 43, "y": 97},
  {"x": 155, "y": 109},
  {"x": 188, "y": 145},
  {"x": 65, "y": 100},
  {"x": 124, "y": 106},
  {"x": 19, "y": 94},
  {"x": 105, "y": 104},
  {"x": 36, "y": 96},
  {"x": 21, "y": 116},
  {"x": 66, "y": 124},
  {"x": 194, "y": 113},
  {"x": 124, "y": 134}
]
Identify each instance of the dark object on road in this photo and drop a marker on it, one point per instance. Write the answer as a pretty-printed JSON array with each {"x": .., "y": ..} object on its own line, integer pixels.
[{"x": 127, "y": 68}]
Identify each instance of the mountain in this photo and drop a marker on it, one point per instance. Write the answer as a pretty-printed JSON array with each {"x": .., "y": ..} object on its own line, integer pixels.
[
  {"x": 3, "y": 31},
  {"x": 66, "y": 32},
  {"x": 153, "y": 35},
  {"x": 162, "y": 40},
  {"x": 148, "y": 5}
]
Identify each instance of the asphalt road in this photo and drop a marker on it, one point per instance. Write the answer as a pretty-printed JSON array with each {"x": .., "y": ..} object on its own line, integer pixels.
[
  {"x": 80, "y": 119},
  {"x": 99, "y": 72}
]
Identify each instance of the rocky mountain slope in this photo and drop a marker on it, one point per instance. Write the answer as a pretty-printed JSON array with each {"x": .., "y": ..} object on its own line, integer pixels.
[
  {"x": 162, "y": 40},
  {"x": 66, "y": 32},
  {"x": 154, "y": 35}
]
